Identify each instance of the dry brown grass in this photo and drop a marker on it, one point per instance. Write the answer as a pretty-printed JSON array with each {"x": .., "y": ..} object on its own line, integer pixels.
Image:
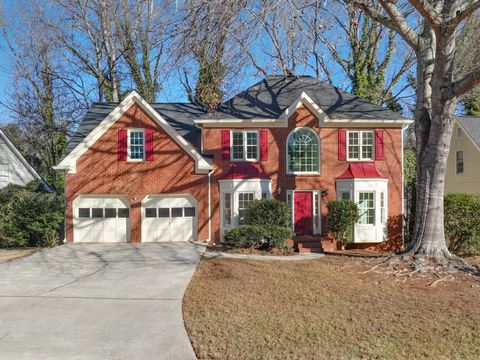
[
  {"x": 11, "y": 254},
  {"x": 328, "y": 309}
]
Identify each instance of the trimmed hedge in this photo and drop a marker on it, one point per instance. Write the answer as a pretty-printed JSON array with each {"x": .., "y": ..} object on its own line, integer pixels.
[
  {"x": 270, "y": 213},
  {"x": 29, "y": 216},
  {"x": 462, "y": 223},
  {"x": 259, "y": 237}
]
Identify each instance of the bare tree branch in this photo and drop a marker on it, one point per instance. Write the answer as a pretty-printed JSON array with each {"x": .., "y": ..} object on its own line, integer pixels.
[
  {"x": 467, "y": 83},
  {"x": 431, "y": 15},
  {"x": 464, "y": 9}
]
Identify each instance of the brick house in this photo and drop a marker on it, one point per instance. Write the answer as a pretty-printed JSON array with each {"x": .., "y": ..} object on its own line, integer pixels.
[{"x": 140, "y": 172}]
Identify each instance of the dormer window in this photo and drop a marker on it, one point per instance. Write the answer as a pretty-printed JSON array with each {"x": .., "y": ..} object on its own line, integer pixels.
[
  {"x": 136, "y": 144},
  {"x": 244, "y": 146}
]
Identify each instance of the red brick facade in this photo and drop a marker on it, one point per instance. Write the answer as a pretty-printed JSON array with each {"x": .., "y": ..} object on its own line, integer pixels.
[{"x": 173, "y": 171}]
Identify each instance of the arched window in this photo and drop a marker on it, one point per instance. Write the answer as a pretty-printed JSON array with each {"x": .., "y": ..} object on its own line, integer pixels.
[{"x": 302, "y": 151}]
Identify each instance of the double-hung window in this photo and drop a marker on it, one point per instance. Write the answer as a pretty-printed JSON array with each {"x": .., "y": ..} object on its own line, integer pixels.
[
  {"x": 244, "y": 145},
  {"x": 245, "y": 200},
  {"x": 360, "y": 145},
  {"x": 459, "y": 162},
  {"x": 366, "y": 208},
  {"x": 136, "y": 144}
]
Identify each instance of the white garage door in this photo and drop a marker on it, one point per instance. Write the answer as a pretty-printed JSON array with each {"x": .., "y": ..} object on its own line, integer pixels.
[
  {"x": 169, "y": 218},
  {"x": 101, "y": 219}
]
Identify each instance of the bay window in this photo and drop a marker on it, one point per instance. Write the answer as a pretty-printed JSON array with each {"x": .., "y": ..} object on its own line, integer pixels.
[
  {"x": 245, "y": 200},
  {"x": 366, "y": 208}
]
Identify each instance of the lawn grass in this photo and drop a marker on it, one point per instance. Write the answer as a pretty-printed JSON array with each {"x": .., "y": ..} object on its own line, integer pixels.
[
  {"x": 11, "y": 254},
  {"x": 327, "y": 309}
]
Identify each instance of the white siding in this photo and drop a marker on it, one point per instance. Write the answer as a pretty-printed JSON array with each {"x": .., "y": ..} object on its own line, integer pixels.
[{"x": 12, "y": 170}]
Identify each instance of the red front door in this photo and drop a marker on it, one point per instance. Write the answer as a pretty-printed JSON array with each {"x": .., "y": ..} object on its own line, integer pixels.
[{"x": 303, "y": 212}]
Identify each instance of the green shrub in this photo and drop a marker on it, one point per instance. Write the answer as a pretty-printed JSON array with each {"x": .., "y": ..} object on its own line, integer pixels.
[
  {"x": 245, "y": 236},
  {"x": 462, "y": 223},
  {"x": 342, "y": 215},
  {"x": 270, "y": 213},
  {"x": 258, "y": 237},
  {"x": 275, "y": 236},
  {"x": 30, "y": 216}
]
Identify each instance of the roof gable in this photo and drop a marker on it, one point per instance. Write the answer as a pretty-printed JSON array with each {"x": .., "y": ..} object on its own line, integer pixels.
[
  {"x": 275, "y": 96},
  {"x": 471, "y": 126},
  {"x": 19, "y": 155},
  {"x": 94, "y": 129}
]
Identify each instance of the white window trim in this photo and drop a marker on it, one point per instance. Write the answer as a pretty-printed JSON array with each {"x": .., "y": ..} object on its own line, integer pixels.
[
  {"x": 244, "y": 134},
  {"x": 130, "y": 130},
  {"x": 360, "y": 144},
  {"x": 456, "y": 162},
  {"x": 319, "y": 153},
  {"x": 232, "y": 219}
]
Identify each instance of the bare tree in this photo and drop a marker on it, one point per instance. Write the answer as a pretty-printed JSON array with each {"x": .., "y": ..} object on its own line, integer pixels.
[
  {"x": 468, "y": 56},
  {"x": 367, "y": 52},
  {"x": 438, "y": 92},
  {"x": 205, "y": 38},
  {"x": 42, "y": 100}
]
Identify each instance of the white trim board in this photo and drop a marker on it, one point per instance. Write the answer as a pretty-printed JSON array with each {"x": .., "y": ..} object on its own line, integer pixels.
[{"x": 69, "y": 162}]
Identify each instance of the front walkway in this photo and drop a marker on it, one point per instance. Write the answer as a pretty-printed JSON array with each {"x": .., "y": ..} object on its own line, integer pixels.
[{"x": 97, "y": 301}]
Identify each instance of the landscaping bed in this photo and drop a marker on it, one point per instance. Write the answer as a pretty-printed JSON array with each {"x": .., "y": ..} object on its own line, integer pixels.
[
  {"x": 331, "y": 308},
  {"x": 288, "y": 251}
]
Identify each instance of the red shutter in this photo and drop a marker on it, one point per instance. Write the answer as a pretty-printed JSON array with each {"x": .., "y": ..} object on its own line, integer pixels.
[
  {"x": 264, "y": 145},
  {"x": 342, "y": 144},
  {"x": 148, "y": 144},
  {"x": 378, "y": 144},
  {"x": 226, "y": 144},
  {"x": 122, "y": 145}
]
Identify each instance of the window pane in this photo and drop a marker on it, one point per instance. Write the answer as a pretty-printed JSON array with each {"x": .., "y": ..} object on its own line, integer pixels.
[
  {"x": 459, "y": 162},
  {"x": 345, "y": 196},
  {"x": 353, "y": 145},
  {"x": 177, "y": 212},
  {"x": 252, "y": 145},
  {"x": 110, "y": 213},
  {"x": 264, "y": 195},
  {"x": 366, "y": 208},
  {"x": 189, "y": 211},
  {"x": 227, "y": 209},
  {"x": 303, "y": 149},
  {"x": 136, "y": 145},
  {"x": 237, "y": 145},
  {"x": 367, "y": 145},
  {"x": 163, "y": 212},
  {"x": 123, "y": 213},
  {"x": 97, "y": 213},
  {"x": 150, "y": 212},
  {"x": 83, "y": 212},
  {"x": 245, "y": 200}
]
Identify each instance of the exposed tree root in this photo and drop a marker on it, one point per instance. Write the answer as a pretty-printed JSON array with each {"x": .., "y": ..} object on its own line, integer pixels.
[{"x": 405, "y": 267}]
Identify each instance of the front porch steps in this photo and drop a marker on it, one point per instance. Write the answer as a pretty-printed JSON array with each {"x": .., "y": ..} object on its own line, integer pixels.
[{"x": 312, "y": 244}]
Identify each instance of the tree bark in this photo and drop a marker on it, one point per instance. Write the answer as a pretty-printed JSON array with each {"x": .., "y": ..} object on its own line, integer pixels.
[{"x": 433, "y": 129}]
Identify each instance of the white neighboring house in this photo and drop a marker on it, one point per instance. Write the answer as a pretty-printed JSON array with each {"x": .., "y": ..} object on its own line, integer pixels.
[{"x": 14, "y": 169}]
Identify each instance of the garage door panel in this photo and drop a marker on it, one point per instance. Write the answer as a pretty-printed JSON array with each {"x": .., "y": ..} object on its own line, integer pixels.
[
  {"x": 170, "y": 223},
  {"x": 105, "y": 223}
]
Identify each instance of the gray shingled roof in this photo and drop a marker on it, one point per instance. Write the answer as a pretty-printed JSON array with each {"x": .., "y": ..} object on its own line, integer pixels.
[
  {"x": 179, "y": 116},
  {"x": 266, "y": 99},
  {"x": 471, "y": 125},
  {"x": 270, "y": 97}
]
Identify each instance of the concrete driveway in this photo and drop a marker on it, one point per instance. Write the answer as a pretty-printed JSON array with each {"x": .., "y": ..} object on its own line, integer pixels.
[{"x": 97, "y": 301}]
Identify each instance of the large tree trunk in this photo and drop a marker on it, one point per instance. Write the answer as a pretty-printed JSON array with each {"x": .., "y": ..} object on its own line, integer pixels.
[{"x": 433, "y": 129}]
